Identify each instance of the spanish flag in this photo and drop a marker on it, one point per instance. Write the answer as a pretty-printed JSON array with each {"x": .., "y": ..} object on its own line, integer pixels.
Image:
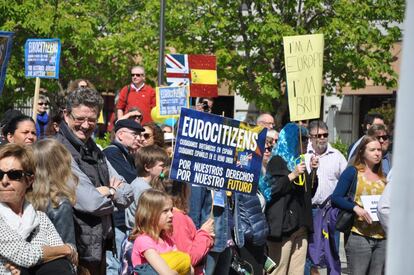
[
  {"x": 196, "y": 70},
  {"x": 203, "y": 75}
]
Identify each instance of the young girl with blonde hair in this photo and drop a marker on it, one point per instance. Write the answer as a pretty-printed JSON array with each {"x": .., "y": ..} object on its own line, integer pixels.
[
  {"x": 54, "y": 186},
  {"x": 154, "y": 250}
]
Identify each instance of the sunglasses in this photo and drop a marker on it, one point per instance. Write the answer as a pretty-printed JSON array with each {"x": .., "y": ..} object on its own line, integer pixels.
[
  {"x": 384, "y": 137},
  {"x": 325, "y": 135},
  {"x": 147, "y": 136},
  {"x": 13, "y": 174},
  {"x": 137, "y": 75},
  {"x": 43, "y": 103}
]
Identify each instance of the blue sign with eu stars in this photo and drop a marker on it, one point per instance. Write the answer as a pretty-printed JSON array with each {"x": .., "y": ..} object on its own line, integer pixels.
[{"x": 218, "y": 152}]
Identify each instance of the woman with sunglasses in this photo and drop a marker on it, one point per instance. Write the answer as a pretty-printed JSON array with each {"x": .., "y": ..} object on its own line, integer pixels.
[
  {"x": 152, "y": 135},
  {"x": 365, "y": 247},
  {"x": 29, "y": 241},
  {"x": 42, "y": 118},
  {"x": 288, "y": 190},
  {"x": 21, "y": 129}
]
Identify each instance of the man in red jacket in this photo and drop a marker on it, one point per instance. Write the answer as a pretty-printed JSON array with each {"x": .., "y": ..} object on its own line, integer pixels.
[{"x": 137, "y": 94}]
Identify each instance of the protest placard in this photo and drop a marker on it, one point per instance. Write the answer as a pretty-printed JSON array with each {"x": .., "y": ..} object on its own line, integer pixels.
[
  {"x": 218, "y": 152},
  {"x": 6, "y": 39},
  {"x": 304, "y": 66},
  {"x": 42, "y": 58},
  {"x": 171, "y": 99}
]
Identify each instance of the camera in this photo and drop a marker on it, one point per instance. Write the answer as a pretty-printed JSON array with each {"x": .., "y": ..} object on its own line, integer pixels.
[{"x": 205, "y": 106}]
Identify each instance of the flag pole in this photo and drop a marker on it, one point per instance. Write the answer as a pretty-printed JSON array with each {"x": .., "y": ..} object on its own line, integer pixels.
[
  {"x": 400, "y": 239},
  {"x": 162, "y": 45}
]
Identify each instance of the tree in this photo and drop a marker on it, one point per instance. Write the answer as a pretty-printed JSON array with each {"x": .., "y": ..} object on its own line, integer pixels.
[
  {"x": 102, "y": 39},
  {"x": 248, "y": 40}
]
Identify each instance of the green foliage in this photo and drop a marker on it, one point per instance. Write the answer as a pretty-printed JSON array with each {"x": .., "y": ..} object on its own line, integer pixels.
[
  {"x": 342, "y": 147},
  {"x": 105, "y": 141},
  {"x": 101, "y": 39},
  {"x": 387, "y": 110}
]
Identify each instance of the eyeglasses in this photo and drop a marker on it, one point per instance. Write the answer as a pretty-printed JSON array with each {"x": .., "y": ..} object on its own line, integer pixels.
[
  {"x": 267, "y": 124},
  {"x": 147, "y": 136},
  {"x": 81, "y": 120},
  {"x": 134, "y": 134},
  {"x": 384, "y": 137},
  {"x": 137, "y": 75},
  {"x": 43, "y": 103},
  {"x": 269, "y": 148},
  {"x": 13, "y": 174},
  {"x": 324, "y": 135}
]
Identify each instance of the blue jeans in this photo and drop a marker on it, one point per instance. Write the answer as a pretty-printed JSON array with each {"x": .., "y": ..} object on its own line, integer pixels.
[
  {"x": 309, "y": 264},
  {"x": 218, "y": 262},
  {"x": 113, "y": 263},
  {"x": 365, "y": 255}
]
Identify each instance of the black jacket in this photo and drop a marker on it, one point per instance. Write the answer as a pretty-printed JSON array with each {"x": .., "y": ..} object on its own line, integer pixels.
[
  {"x": 290, "y": 206},
  {"x": 121, "y": 160},
  {"x": 62, "y": 219}
]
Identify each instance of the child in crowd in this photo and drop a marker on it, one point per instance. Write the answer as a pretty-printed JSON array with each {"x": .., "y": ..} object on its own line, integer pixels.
[
  {"x": 150, "y": 162},
  {"x": 153, "y": 249},
  {"x": 197, "y": 243}
]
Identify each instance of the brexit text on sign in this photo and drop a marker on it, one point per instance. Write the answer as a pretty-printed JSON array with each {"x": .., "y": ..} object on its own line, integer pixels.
[
  {"x": 42, "y": 58},
  {"x": 218, "y": 152},
  {"x": 304, "y": 65}
]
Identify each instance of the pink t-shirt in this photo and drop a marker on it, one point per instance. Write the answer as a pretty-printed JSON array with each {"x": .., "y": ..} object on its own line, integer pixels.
[{"x": 144, "y": 242}]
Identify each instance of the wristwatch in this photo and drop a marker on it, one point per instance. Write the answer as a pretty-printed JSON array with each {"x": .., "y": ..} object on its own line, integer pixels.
[{"x": 112, "y": 191}]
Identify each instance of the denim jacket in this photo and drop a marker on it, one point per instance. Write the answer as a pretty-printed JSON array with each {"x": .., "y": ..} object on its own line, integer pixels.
[{"x": 200, "y": 209}]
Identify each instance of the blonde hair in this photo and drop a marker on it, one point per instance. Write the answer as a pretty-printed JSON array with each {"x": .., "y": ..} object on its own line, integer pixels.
[
  {"x": 54, "y": 177},
  {"x": 150, "y": 206}
]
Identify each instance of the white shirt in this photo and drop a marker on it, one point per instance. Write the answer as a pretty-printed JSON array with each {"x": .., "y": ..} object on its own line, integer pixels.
[{"x": 331, "y": 165}]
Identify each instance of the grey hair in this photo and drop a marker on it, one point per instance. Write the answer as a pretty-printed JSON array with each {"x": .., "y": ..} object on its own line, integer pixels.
[
  {"x": 376, "y": 127},
  {"x": 84, "y": 96},
  {"x": 315, "y": 124}
]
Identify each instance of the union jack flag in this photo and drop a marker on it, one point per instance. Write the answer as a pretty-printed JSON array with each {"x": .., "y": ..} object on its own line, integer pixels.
[
  {"x": 196, "y": 70},
  {"x": 178, "y": 72}
]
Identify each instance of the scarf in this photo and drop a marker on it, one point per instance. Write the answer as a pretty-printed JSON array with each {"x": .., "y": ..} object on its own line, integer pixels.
[{"x": 22, "y": 225}]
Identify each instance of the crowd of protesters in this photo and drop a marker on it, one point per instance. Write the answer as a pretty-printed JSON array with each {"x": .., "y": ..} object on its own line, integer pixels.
[{"x": 68, "y": 206}]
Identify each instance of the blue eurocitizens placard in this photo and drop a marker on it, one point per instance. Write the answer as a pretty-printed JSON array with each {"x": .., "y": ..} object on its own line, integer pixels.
[
  {"x": 6, "y": 39},
  {"x": 42, "y": 58},
  {"x": 218, "y": 152}
]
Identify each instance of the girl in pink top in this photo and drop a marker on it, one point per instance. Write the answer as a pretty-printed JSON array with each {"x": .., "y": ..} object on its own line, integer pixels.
[
  {"x": 187, "y": 238},
  {"x": 153, "y": 221}
]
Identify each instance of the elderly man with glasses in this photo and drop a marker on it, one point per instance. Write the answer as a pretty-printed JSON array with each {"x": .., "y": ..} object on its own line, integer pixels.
[
  {"x": 100, "y": 187},
  {"x": 136, "y": 94},
  {"x": 121, "y": 155},
  {"x": 331, "y": 165}
]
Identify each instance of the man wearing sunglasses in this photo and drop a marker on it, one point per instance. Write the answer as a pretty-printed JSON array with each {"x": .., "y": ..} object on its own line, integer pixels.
[
  {"x": 331, "y": 165},
  {"x": 100, "y": 188},
  {"x": 381, "y": 134},
  {"x": 136, "y": 94}
]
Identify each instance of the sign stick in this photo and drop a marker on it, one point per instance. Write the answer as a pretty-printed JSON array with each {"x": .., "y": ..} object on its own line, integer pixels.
[{"x": 36, "y": 98}]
